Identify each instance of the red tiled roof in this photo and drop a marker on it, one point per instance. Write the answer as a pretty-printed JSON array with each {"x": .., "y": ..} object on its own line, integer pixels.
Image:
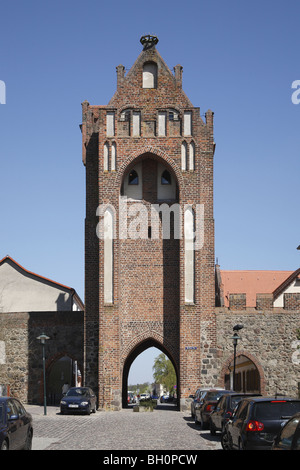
[{"x": 251, "y": 283}]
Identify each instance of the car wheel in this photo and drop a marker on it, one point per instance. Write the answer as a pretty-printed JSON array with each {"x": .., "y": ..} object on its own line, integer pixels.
[
  {"x": 4, "y": 445},
  {"x": 212, "y": 428},
  {"x": 203, "y": 424},
  {"x": 241, "y": 445},
  {"x": 196, "y": 420},
  {"x": 226, "y": 441},
  {"x": 28, "y": 443}
]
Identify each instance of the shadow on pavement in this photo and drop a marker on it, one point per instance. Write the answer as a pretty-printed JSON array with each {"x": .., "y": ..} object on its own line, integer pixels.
[
  {"x": 160, "y": 406},
  {"x": 204, "y": 434}
]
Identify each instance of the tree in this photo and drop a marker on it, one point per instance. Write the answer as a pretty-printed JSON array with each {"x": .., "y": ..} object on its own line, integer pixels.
[{"x": 164, "y": 372}]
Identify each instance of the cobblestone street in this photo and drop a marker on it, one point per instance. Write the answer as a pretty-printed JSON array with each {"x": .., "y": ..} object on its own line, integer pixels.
[{"x": 163, "y": 429}]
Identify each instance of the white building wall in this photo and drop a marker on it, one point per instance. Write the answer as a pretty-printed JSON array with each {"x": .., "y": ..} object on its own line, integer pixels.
[
  {"x": 294, "y": 288},
  {"x": 22, "y": 292}
]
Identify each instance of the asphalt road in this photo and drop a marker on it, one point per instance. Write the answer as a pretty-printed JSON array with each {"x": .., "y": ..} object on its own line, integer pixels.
[{"x": 163, "y": 429}]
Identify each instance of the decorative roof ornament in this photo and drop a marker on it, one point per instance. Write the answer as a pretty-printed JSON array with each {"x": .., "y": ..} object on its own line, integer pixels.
[{"x": 148, "y": 41}]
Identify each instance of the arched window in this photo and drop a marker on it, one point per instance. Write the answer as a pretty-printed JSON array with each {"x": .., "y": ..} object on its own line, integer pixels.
[
  {"x": 108, "y": 256},
  {"x": 132, "y": 185},
  {"x": 189, "y": 247},
  {"x": 173, "y": 115},
  {"x": 150, "y": 75},
  {"x": 192, "y": 156},
  {"x": 166, "y": 184},
  {"x": 125, "y": 115},
  {"x": 183, "y": 156},
  {"x": 106, "y": 157},
  {"x": 113, "y": 156},
  {"x": 133, "y": 177},
  {"x": 166, "y": 178}
]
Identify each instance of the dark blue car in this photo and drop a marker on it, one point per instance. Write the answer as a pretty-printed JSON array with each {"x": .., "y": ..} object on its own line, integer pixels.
[
  {"x": 79, "y": 399},
  {"x": 15, "y": 425}
]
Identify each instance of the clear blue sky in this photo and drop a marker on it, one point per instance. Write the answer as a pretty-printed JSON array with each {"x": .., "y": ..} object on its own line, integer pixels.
[{"x": 239, "y": 59}]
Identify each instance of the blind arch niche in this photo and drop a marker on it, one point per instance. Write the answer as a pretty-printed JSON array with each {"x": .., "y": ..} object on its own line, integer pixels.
[{"x": 150, "y": 75}]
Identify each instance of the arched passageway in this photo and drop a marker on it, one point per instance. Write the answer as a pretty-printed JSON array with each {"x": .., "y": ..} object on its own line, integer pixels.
[
  {"x": 63, "y": 370},
  {"x": 247, "y": 376},
  {"x": 149, "y": 343}
]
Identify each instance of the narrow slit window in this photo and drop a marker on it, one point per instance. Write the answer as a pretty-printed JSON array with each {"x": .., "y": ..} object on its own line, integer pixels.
[
  {"x": 113, "y": 156},
  {"x": 108, "y": 257},
  {"x": 183, "y": 156},
  {"x": 192, "y": 156},
  {"x": 189, "y": 248},
  {"x": 106, "y": 157}
]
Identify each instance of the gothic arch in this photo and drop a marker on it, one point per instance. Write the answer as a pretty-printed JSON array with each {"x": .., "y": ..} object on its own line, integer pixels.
[
  {"x": 149, "y": 152},
  {"x": 135, "y": 348},
  {"x": 253, "y": 359},
  {"x": 148, "y": 337},
  {"x": 49, "y": 365}
]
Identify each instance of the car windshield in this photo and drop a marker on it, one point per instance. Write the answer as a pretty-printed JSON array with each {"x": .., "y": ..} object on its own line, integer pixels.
[
  {"x": 78, "y": 392},
  {"x": 1, "y": 414},
  {"x": 275, "y": 409},
  {"x": 215, "y": 395},
  {"x": 235, "y": 401}
]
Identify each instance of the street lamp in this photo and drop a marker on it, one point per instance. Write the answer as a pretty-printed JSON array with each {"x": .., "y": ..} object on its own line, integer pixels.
[
  {"x": 235, "y": 339},
  {"x": 43, "y": 338}
]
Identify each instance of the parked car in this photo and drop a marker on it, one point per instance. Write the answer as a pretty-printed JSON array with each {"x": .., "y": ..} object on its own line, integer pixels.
[
  {"x": 79, "y": 399},
  {"x": 15, "y": 425},
  {"x": 196, "y": 399},
  {"x": 224, "y": 410},
  {"x": 131, "y": 397},
  {"x": 164, "y": 398},
  {"x": 144, "y": 396},
  {"x": 206, "y": 405},
  {"x": 256, "y": 422},
  {"x": 289, "y": 436}
]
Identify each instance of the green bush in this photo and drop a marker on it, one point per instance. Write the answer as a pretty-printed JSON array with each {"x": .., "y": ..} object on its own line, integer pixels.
[{"x": 148, "y": 403}]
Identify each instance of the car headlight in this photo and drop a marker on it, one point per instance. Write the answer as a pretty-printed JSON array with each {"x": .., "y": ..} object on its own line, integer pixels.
[
  {"x": 62, "y": 402},
  {"x": 84, "y": 403}
]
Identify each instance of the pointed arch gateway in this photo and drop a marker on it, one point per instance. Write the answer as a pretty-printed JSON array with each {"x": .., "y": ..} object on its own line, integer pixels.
[{"x": 133, "y": 354}]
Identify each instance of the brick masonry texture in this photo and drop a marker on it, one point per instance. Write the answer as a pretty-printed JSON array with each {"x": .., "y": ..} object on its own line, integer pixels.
[{"x": 149, "y": 305}]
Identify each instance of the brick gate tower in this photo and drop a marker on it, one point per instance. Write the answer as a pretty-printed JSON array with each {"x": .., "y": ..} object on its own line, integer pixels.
[{"x": 149, "y": 230}]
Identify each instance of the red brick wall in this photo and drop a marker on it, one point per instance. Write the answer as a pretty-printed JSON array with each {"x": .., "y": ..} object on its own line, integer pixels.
[{"x": 148, "y": 275}]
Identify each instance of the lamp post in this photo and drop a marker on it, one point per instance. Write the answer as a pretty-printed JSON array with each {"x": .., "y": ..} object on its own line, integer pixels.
[
  {"x": 235, "y": 339},
  {"x": 43, "y": 338}
]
